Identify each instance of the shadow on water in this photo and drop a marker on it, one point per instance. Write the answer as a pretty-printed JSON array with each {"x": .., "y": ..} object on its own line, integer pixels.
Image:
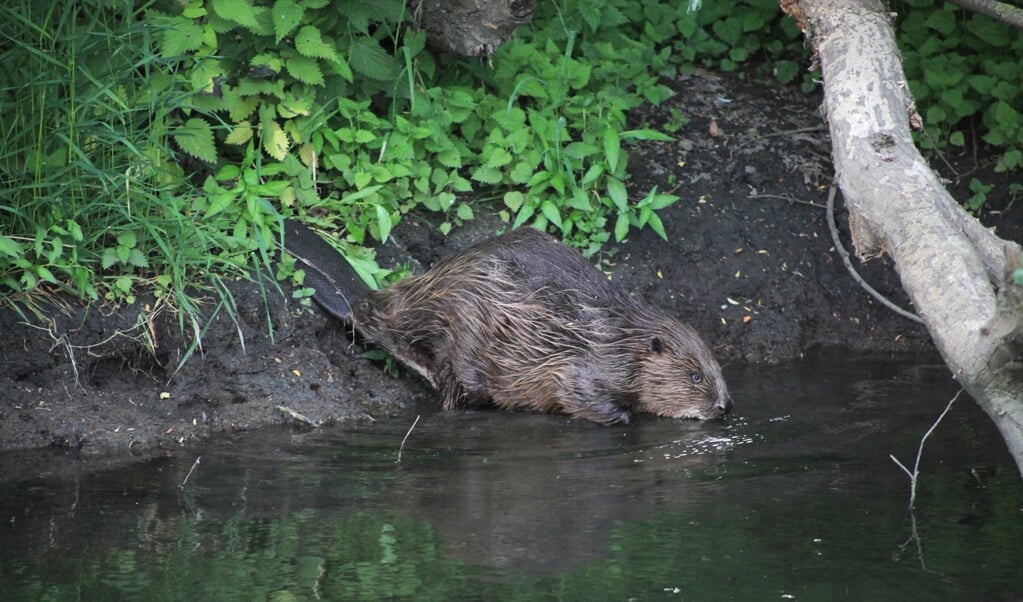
[{"x": 795, "y": 496}]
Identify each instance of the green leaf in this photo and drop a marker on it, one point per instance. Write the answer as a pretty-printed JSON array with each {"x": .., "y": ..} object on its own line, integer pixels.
[
  {"x": 464, "y": 212},
  {"x": 45, "y": 274},
  {"x": 305, "y": 69},
  {"x": 592, "y": 174},
  {"x": 240, "y": 134},
  {"x": 194, "y": 11},
  {"x": 990, "y": 31},
  {"x": 524, "y": 214},
  {"x": 340, "y": 67},
  {"x": 183, "y": 37},
  {"x": 487, "y": 175},
  {"x": 137, "y": 259},
  {"x": 383, "y": 222},
  {"x": 267, "y": 64},
  {"x": 1005, "y": 117},
  {"x": 123, "y": 284},
  {"x": 127, "y": 239},
  {"x": 362, "y": 179},
  {"x": 195, "y": 137},
  {"x": 1002, "y": 69},
  {"x": 657, "y": 226},
  {"x": 728, "y": 30},
  {"x": 936, "y": 115},
  {"x": 580, "y": 150},
  {"x": 981, "y": 83},
  {"x": 646, "y": 134},
  {"x": 414, "y": 41},
  {"x": 619, "y": 196},
  {"x": 612, "y": 148},
  {"x": 660, "y": 201},
  {"x": 753, "y": 21},
  {"x": 551, "y": 212},
  {"x": 310, "y": 43},
  {"x": 9, "y": 247},
  {"x": 219, "y": 202},
  {"x": 520, "y": 173},
  {"x": 513, "y": 199},
  {"x": 621, "y": 227},
  {"x": 236, "y": 11},
  {"x": 450, "y": 158},
  {"x": 445, "y": 200},
  {"x": 361, "y": 194},
  {"x": 273, "y": 188},
  {"x": 1012, "y": 159},
  {"x": 557, "y": 182},
  {"x": 942, "y": 21},
  {"x": 497, "y": 157},
  {"x": 369, "y": 59},
  {"x": 287, "y": 14},
  {"x": 941, "y": 75},
  {"x": 1006, "y": 91},
  {"x": 738, "y": 54},
  {"x": 109, "y": 258},
  {"x": 75, "y": 231},
  {"x": 580, "y": 200},
  {"x": 275, "y": 142}
]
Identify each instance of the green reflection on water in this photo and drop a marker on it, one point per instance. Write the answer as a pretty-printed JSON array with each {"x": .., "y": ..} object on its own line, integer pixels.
[
  {"x": 795, "y": 498},
  {"x": 735, "y": 549}
]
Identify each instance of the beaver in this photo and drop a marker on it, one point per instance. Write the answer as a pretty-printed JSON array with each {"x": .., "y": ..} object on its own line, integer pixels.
[{"x": 522, "y": 322}]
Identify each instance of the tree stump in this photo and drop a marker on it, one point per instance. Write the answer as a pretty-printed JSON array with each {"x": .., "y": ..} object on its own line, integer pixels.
[{"x": 471, "y": 27}]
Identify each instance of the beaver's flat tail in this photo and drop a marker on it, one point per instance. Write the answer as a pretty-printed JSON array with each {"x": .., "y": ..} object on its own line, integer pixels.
[{"x": 336, "y": 283}]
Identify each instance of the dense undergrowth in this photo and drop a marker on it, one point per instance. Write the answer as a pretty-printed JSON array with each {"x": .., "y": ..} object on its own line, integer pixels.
[{"x": 152, "y": 147}]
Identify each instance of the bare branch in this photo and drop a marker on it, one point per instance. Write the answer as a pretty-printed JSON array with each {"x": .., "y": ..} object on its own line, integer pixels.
[{"x": 999, "y": 11}]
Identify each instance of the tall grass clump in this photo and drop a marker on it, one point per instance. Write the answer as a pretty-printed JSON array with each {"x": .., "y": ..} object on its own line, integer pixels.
[{"x": 93, "y": 201}]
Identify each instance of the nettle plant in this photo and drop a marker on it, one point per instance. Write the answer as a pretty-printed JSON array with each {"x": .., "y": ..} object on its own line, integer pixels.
[
  {"x": 556, "y": 145},
  {"x": 335, "y": 108},
  {"x": 312, "y": 108},
  {"x": 962, "y": 66},
  {"x": 265, "y": 82}
]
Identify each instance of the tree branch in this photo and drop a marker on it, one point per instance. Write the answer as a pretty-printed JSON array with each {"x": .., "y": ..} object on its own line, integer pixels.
[
  {"x": 852, "y": 270},
  {"x": 999, "y": 11},
  {"x": 946, "y": 260}
]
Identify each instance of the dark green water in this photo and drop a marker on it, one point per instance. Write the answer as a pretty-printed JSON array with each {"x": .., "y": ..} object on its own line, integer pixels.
[{"x": 795, "y": 497}]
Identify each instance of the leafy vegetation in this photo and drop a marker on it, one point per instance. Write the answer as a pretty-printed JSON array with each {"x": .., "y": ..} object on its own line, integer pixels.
[
  {"x": 94, "y": 201},
  {"x": 962, "y": 68},
  {"x": 153, "y": 146}
]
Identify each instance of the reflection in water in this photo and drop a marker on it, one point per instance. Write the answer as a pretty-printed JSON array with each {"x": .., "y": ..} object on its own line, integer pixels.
[
  {"x": 795, "y": 495},
  {"x": 547, "y": 495}
]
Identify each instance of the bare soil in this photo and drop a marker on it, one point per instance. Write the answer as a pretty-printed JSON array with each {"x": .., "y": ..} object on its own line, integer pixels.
[{"x": 749, "y": 262}]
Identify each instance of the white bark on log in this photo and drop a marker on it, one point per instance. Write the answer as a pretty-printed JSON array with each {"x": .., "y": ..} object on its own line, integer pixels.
[{"x": 947, "y": 261}]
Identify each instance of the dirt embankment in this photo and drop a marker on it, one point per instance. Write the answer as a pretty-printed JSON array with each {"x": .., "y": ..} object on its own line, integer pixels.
[{"x": 749, "y": 263}]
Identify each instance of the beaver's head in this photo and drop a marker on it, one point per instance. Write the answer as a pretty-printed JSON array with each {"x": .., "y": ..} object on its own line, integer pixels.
[{"x": 678, "y": 377}]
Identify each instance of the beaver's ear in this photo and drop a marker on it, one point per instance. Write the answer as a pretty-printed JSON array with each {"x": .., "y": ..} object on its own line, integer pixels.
[{"x": 656, "y": 345}]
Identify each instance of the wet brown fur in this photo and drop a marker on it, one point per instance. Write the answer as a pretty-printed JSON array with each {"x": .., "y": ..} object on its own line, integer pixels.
[{"x": 522, "y": 322}]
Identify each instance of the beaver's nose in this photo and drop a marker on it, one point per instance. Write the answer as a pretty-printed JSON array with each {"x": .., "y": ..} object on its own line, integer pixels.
[{"x": 724, "y": 405}]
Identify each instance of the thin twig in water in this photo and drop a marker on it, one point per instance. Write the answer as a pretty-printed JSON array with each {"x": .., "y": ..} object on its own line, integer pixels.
[
  {"x": 915, "y": 474},
  {"x": 852, "y": 271},
  {"x": 402, "y": 447},
  {"x": 914, "y": 537},
  {"x": 190, "y": 470}
]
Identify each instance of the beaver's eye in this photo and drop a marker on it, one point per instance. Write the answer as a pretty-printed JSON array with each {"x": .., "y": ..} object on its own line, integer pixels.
[{"x": 696, "y": 377}]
